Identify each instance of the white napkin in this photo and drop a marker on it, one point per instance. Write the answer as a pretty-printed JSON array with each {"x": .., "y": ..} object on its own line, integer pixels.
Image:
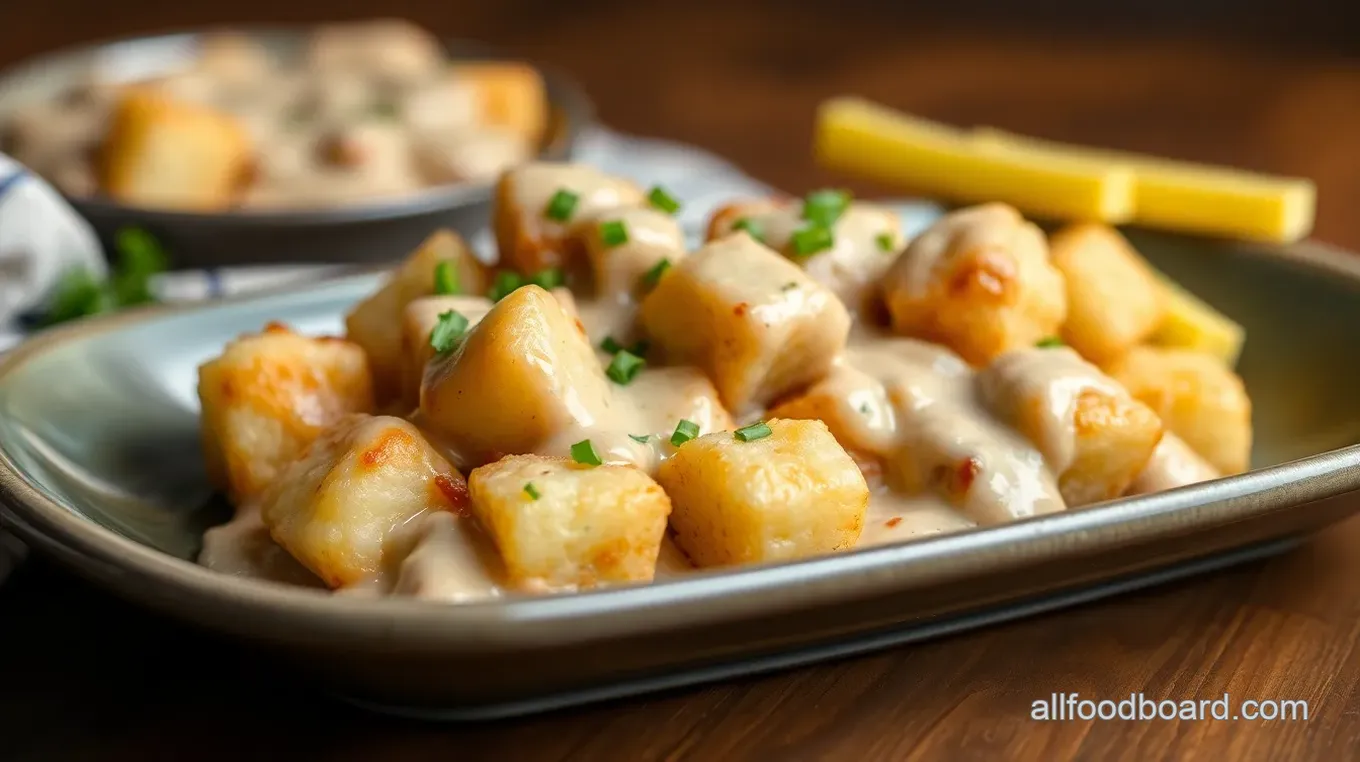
[{"x": 41, "y": 236}]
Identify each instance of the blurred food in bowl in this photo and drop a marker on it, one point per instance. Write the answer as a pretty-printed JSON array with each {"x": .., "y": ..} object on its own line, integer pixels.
[{"x": 357, "y": 112}]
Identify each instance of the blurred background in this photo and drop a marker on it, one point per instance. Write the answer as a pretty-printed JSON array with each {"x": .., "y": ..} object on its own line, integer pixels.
[{"x": 1273, "y": 86}]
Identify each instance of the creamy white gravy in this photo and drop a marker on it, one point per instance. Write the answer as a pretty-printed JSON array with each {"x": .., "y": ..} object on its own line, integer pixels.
[
  {"x": 242, "y": 547},
  {"x": 934, "y": 437}
]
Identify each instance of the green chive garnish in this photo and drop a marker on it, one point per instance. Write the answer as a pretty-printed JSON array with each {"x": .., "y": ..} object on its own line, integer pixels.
[
  {"x": 752, "y": 228},
  {"x": 684, "y": 431},
  {"x": 1049, "y": 342},
  {"x": 584, "y": 452},
  {"x": 659, "y": 198},
  {"x": 531, "y": 491},
  {"x": 812, "y": 239},
  {"x": 753, "y": 432},
  {"x": 653, "y": 276},
  {"x": 613, "y": 233},
  {"x": 445, "y": 279},
  {"x": 611, "y": 345},
  {"x": 824, "y": 207},
  {"x": 448, "y": 331},
  {"x": 561, "y": 206},
  {"x": 885, "y": 242},
  {"x": 505, "y": 282},
  {"x": 624, "y": 367},
  {"x": 548, "y": 279},
  {"x": 640, "y": 439}
]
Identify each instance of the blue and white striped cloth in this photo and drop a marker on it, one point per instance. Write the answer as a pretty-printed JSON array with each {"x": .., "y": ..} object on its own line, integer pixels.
[{"x": 41, "y": 236}]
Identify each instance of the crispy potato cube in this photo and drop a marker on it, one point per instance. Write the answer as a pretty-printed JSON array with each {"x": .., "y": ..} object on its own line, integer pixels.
[
  {"x": 820, "y": 403},
  {"x": 419, "y": 319},
  {"x": 755, "y": 322},
  {"x": 561, "y": 525},
  {"x": 1173, "y": 465},
  {"x": 523, "y": 374},
  {"x": 617, "y": 268},
  {"x": 865, "y": 399},
  {"x": 1197, "y": 397},
  {"x": 270, "y": 394},
  {"x": 865, "y": 239},
  {"x": 169, "y": 154},
  {"x": 376, "y": 323},
  {"x": 530, "y": 236},
  {"x": 979, "y": 281},
  {"x": 1114, "y": 300},
  {"x": 335, "y": 507},
  {"x": 793, "y": 494},
  {"x": 510, "y": 95},
  {"x": 1095, "y": 437}
]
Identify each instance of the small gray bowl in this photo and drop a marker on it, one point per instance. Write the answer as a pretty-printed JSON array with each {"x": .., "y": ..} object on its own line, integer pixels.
[{"x": 378, "y": 231}]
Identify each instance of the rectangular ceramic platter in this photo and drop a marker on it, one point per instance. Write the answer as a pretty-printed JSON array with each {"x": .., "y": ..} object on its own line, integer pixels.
[{"x": 98, "y": 423}]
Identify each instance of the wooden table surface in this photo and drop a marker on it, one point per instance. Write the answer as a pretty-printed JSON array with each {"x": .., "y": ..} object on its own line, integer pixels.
[{"x": 84, "y": 676}]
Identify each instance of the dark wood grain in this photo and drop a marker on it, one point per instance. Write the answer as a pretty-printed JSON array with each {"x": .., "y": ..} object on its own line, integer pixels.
[{"x": 83, "y": 676}]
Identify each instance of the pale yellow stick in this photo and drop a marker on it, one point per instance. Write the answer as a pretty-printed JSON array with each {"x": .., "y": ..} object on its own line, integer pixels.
[
  {"x": 1192, "y": 324},
  {"x": 1189, "y": 197},
  {"x": 860, "y": 138}
]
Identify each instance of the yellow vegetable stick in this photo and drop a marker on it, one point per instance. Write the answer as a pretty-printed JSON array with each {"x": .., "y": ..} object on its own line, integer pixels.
[
  {"x": 861, "y": 138},
  {"x": 1195, "y": 198},
  {"x": 1192, "y": 324}
]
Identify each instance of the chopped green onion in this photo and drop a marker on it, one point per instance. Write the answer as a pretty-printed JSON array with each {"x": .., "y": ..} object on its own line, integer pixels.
[
  {"x": 548, "y": 278},
  {"x": 885, "y": 242},
  {"x": 653, "y": 276},
  {"x": 506, "y": 281},
  {"x": 753, "y": 432},
  {"x": 624, "y": 367},
  {"x": 1049, "y": 342},
  {"x": 824, "y": 207},
  {"x": 812, "y": 239},
  {"x": 561, "y": 206},
  {"x": 613, "y": 233},
  {"x": 445, "y": 279},
  {"x": 640, "y": 348},
  {"x": 611, "y": 345},
  {"x": 584, "y": 452},
  {"x": 531, "y": 491},
  {"x": 640, "y": 439},
  {"x": 791, "y": 285},
  {"x": 659, "y": 198},
  {"x": 684, "y": 431},
  {"x": 448, "y": 331},
  {"x": 752, "y": 228}
]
